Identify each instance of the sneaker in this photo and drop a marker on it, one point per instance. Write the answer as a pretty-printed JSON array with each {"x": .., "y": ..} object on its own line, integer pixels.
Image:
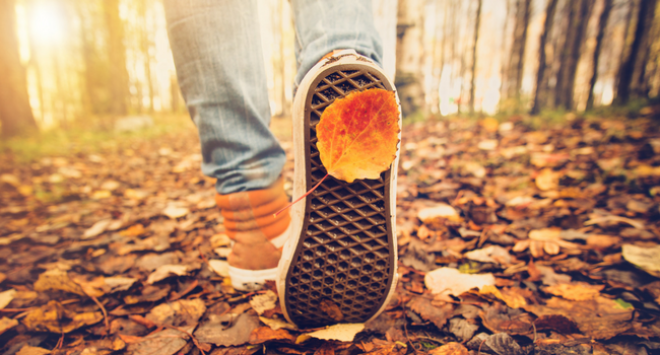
[
  {"x": 249, "y": 223},
  {"x": 339, "y": 264}
]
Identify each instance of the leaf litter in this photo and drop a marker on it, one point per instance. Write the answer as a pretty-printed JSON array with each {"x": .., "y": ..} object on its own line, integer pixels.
[{"x": 533, "y": 240}]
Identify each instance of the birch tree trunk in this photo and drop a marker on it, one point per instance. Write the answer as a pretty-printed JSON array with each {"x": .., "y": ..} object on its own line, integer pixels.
[
  {"x": 513, "y": 82},
  {"x": 602, "y": 26},
  {"x": 15, "y": 112},
  {"x": 541, "y": 87},
  {"x": 474, "y": 54}
]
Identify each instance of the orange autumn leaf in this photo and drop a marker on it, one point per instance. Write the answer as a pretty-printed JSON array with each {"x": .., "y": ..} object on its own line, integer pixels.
[{"x": 358, "y": 134}]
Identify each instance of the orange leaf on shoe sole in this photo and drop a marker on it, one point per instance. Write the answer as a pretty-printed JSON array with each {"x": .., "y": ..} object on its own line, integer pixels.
[{"x": 358, "y": 134}]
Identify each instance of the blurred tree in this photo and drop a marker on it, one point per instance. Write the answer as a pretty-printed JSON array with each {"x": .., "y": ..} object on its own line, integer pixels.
[
  {"x": 119, "y": 90},
  {"x": 541, "y": 76},
  {"x": 477, "y": 20},
  {"x": 15, "y": 112},
  {"x": 579, "y": 12},
  {"x": 512, "y": 82},
  {"x": 409, "y": 54},
  {"x": 602, "y": 26},
  {"x": 631, "y": 77}
]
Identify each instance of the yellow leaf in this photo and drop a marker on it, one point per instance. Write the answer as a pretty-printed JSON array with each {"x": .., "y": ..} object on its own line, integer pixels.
[{"x": 358, "y": 134}]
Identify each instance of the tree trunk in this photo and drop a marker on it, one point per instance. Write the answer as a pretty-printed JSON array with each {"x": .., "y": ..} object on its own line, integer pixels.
[
  {"x": 409, "y": 54},
  {"x": 580, "y": 11},
  {"x": 145, "y": 47},
  {"x": 15, "y": 112},
  {"x": 117, "y": 54},
  {"x": 513, "y": 81},
  {"x": 540, "y": 74},
  {"x": 602, "y": 26},
  {"x": 631, "y": 72},
  {"x": 474, "y": 54}
]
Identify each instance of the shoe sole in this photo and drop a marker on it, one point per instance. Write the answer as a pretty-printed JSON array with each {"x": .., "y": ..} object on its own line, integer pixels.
[{"x": 341, "y": 265}]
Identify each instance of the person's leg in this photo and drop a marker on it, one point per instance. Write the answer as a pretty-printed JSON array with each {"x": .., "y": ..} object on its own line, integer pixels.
[
  {"x": 217, "y": 53},
  {"x": 325, "y": 26},
  {"x": 341, "y": 255}
]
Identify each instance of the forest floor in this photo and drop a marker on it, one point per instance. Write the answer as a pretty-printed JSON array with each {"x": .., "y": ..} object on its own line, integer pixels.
[{"x": 512, "y": 240}]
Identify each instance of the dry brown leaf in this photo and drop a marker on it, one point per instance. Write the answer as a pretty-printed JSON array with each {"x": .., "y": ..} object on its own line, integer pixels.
[
  {"x": 276, "y": 323},
  {"x": 182, "y": 313},
  {"x": 502, "y": 319},
  {"x": 644, "y": 258},
  {"x": 149, "y": 294},
  {"x": 578, "y": 291},
  {"x": 264, "y": 334},
  {"x": 6, "y": 324},
  {"x": 53, "y": 317},
  {"x": 547, "y": 179},
  {"x": 342, "y": 332},
  {"x": 450, "y": 349},
  {"x": 165, "y": 342},
  {"x": 436, "y": 315},
  {"x": 227, "y": 329},
  {"x": 449, "y": 281},
  {"x": 32, "y": 350},
  {"x": 264, "y": 302},
  {"x": 165, "y": 271},
  {"x": 56, "y": 279},
  {"x": 6, "y": 297},
  {"x": 600, "y": 318},
  {"x": 511, "y": 296}
]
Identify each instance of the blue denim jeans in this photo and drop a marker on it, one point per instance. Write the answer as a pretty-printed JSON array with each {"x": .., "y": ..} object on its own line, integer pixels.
[{"x": 217, "y": 53}]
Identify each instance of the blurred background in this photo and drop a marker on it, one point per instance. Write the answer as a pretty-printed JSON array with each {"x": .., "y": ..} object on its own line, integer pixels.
[{"x": 106, "y": 64}]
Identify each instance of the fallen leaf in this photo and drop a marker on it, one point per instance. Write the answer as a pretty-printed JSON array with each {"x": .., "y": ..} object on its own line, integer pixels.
[
  {"x": 175, "y": 212},
  {"x": 578, "y": 291},
  {"x": 264, "y": 334},
  {"x": 490, "y": 254},
  {"x": 417, "y": 257},
  {"x": 277, "y": 323},
  {"x": 6, "y": 324},
  {"x": 6, "y": 297},
  {"x": 510, "y": 296},
  {"x": 32, "y": 350},
  {"x": 98, "y": 228},
  {"x": 165, "y": 342},
  {"x": 228, "y": 329},
  {"x": 436, "y": 315},
  {"x": 502, "y": 344},
  {"x": 557, "y": 323},
  {"x": 462, "y": 329},
  {"x": 499, "y": 318},
  {"x": 441, "y": 210},
  {"x": 220, "y": 267},
  {"x": 56, "y": 279},
  {"x": 449, "y": 281},
  {"x": 184, "y": 314},
  {"x": 450, "y": 348},
  {"x": 547, "y": 179},
  {"x": 644, "y": 258},
  {"x": 165, "y": 271},
  {"x": 149, "y": 294},
  {"x": 54, "y": 318},
  {"x": 342, "y": 332},
  {"x": 263, "y": 302},
  {"x": 358, "y": 134},
  {"x": 600, "y": 318}
]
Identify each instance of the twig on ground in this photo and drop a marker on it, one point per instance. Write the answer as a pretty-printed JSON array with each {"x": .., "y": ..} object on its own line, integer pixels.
[{"x": 105, "y": 314}]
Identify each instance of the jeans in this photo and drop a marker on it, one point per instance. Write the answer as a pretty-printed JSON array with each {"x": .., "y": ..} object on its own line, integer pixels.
[{"x": 219, "y": 63}]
